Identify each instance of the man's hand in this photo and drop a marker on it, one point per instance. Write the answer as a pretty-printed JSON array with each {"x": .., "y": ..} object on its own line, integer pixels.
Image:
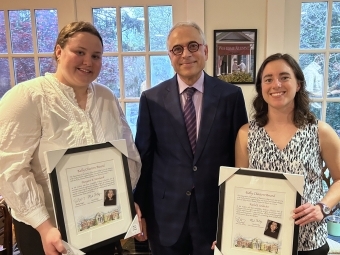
[
  {"x": 142, "y": 224},
  {"x": 51, "y": 239}
]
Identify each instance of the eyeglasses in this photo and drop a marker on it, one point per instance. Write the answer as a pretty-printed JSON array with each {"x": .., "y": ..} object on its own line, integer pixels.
[{"x": 192, "y": 47}]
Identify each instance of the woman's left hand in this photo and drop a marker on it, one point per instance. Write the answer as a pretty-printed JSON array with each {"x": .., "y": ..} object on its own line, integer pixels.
[{"x": 307, "y": 213}]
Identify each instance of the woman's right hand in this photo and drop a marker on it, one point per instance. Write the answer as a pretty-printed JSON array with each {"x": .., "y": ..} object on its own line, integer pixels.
[{"x": 51, "y": 239}]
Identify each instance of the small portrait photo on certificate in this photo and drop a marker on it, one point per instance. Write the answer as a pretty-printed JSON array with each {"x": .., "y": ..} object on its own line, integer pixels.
[
  {"x": 272, "y": 229},
  {"x": 110, "y": 197}
]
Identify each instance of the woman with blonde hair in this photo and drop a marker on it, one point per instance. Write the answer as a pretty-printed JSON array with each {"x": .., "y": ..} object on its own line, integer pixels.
[{"x": 56, "y": 111}]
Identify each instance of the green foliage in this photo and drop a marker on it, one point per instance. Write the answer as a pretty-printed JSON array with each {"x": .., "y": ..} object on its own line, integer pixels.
[{"x": 236, "y": 77}]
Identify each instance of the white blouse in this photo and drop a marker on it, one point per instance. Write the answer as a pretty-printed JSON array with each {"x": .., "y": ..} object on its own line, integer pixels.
[{"x": 42, "y": 114}]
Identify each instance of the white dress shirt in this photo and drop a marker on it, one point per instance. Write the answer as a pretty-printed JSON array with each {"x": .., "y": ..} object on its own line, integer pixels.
[{"x": 40, "y": 115}]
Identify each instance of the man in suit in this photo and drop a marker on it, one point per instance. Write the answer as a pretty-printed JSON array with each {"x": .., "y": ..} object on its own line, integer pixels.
[{"x": 178, "y": 189}]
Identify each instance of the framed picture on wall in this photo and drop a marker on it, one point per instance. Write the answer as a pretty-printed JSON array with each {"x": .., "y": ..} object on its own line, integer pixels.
[{"x": 235, "y": 55}]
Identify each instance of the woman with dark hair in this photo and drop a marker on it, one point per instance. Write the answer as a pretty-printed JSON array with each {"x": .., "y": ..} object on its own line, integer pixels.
[
  {"x": 301, "y": 111},
  {"x": 273, "y": 229},
  {"x": 110, "y": 197},
  {"x": 284, "y": 136},
  {"x": 56, "y": 111}
]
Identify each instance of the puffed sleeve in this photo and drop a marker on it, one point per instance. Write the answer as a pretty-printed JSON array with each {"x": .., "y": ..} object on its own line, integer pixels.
[{"x": 20, "y": 132}]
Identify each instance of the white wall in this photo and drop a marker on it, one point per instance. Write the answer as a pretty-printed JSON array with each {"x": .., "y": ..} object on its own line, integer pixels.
[{"x": 237, "y": 14}]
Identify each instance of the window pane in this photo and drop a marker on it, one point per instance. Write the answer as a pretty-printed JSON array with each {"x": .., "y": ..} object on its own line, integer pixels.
[
  {"x": 134, "y": 75},
  {"x": 335, "y": 28},
  {"x": 5, "y": 82},
  {"x": 160, "y": 23},
  {"x": 47, "y": 65},
  {"x": 21, "y": 31},
  {"x": 109, "y": 75},
  {"x": 3, "y": 42},
  {"x": 104, "y": 19},
  {"x": 333, "y": 89},
  {"x": 133, "y": 32},
  {"x": 23, "y": 69},
  {"x": 313, "y": 70},
  {"x": 316, "y": 109},
  {"x": 313, "y": 25},
  {"x": 132, "y": 115},
  {"x": 47, "y": 29},
  {"x": 332, "y": 116},
  {"x": 161, "y": 69}
]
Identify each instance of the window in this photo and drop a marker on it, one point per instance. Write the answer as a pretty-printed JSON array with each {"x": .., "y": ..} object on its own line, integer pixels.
[
  {"x": 135, "y": 55},
  {"x": 21, "y": 48},
  {"x": 319, "y": 57},
  {"x": 309, "y": 31},
  {"x": 28, "y": 32}
]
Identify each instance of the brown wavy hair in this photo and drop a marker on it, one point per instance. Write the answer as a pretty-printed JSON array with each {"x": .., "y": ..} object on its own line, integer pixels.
[
  {"x": 72, "y": 28},
  {"x": 302, "y": 112}
]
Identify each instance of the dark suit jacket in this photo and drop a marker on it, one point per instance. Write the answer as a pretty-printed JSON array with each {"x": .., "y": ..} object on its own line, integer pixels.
[{"x": 169, "y": 169}]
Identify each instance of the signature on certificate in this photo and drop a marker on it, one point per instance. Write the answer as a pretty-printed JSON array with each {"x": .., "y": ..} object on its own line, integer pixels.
[
  {"x": 240, "y": 221},
  {"x": 94, "y": 195}
]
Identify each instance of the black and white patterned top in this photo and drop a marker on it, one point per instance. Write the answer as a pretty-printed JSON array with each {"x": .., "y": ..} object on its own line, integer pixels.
[{"x": 300, "y": 156}]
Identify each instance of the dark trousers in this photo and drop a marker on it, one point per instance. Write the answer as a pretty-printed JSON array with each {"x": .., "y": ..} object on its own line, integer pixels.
[
  {"x": 29, "y": 242},
  {"x": 28, "y": 239},
  {"x": 323, "y": 250},
  {"x": 192, "y": 239}
]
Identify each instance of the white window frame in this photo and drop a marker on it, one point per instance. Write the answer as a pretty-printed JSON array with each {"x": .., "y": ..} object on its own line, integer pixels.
[
  {"x": 74, "y": 10},
  {"x": 182, "y": 11},
  {"x": 66, "y": 14},
  {"x": 283, "y": 35}
]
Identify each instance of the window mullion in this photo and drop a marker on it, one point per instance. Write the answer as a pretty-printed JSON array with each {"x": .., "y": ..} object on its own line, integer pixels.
[{"x": 147, "y": 48}]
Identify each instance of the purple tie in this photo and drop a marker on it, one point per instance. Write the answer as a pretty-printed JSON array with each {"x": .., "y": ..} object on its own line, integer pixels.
[{"x": 190, "y": 117}]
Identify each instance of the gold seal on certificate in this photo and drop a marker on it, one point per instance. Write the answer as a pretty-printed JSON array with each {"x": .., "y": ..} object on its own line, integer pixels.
[
  {"x": 255, "y": 212},
  {"x": 92, "y": 194}
]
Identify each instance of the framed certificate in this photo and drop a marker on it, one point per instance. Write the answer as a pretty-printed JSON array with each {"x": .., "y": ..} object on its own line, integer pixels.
[
  {"x": 92, "y": 194},
  {"x": 255, "y": 212}
]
